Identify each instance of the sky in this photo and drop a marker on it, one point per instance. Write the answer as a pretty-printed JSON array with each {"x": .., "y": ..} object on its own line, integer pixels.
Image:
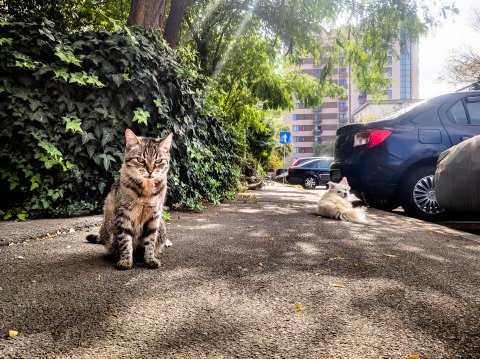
[{"x": 452, "y": 35}]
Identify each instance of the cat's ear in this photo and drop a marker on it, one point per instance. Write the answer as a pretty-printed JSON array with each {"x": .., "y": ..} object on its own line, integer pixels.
[
  {"x": 130, "y": 138},
  {"x": 344, "y": 181},
  {"x": 166, "y": 142}
]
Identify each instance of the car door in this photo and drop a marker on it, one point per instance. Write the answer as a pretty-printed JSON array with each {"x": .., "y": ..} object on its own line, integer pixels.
[{"x": 461, "y": 118}]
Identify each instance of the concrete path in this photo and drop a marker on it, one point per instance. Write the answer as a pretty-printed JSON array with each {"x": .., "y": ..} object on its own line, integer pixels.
[{"x": 260, "y": 277}]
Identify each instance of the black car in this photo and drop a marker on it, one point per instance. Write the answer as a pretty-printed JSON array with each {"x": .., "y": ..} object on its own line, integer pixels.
[
  {"x": 392, "y": 162},
  {"x": 310, "y": 174}
]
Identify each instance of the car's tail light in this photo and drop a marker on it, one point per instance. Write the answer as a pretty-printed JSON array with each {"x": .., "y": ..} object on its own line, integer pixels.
[{"x": 370, "y": 138}]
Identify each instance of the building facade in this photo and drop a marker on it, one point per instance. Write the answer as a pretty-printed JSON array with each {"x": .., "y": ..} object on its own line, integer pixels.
[{"x": 309, "y": 126}]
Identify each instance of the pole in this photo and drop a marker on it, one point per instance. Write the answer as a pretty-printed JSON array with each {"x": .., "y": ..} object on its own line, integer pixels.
[{"x": 283, "y": 164}]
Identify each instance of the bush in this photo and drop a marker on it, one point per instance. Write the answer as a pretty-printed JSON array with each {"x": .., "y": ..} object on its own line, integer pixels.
[{"x": 65, "y": 102}]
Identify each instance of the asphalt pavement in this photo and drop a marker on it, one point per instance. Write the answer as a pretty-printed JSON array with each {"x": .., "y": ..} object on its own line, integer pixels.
[{"x": 258, "y": 277}]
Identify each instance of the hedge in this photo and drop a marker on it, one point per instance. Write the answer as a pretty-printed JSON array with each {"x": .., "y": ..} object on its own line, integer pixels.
[{"x": 65, "y": 102}]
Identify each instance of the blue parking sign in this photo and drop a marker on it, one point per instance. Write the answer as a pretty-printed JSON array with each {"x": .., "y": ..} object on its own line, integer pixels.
[{"x": 285, "y": 137}]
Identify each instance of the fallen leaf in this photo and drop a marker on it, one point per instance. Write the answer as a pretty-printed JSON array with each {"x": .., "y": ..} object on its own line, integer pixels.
[
  {"x": 114, "y": 314},
  {"x": 298, "y": 307},
  {"x": 355, "y": 263},
  {"x": 413, "y": 357},
  {"x": 337, "y": 285},
  {"x": 69, "y": 246},
  {"x": 260, "y": 264},
  {"x": 168, "y": 243},
  {"x": 19, "y": 257},
  {"x": 34, "y": 281},
  {"x": 389, "y": 255},
  {"x": 12, "y": 333},
  {"x": 72, "y": 230},
  {"x": 270, "y": 238},
  {"x": 338, "y": 257},
  {"x": 1, "y": 289},
  {"x": 99, "y": 277}
]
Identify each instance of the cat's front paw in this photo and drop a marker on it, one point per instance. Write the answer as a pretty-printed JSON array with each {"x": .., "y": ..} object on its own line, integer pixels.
[
  {"x": 124, "y": 264},
  {"x": 152, "y": 262}
]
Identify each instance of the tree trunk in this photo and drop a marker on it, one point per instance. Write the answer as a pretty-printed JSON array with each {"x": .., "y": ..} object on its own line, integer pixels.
[
  {"x": 178, "y": 8},
  {"x": 150, "y": 14}
]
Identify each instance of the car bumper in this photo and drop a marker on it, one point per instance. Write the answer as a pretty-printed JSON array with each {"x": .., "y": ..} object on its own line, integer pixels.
[{"x": 375, "y": 179}]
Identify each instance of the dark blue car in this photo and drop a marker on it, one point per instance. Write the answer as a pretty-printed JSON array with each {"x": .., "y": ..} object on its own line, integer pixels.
[
  {"x": 310, "y": 174},
  {"x": 392, "y": 162}
]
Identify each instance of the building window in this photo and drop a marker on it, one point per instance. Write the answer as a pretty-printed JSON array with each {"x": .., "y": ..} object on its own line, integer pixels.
[
  {"x": 389, "y": 60},
  {"x": 317, "y": 128},
  {"x": 295, "y": 117},
  {"x": 295, "y": 128},
  {"x": 317, "y": 117},
  {"x": 343, "y": 70},
  {"x": 317, "y": 72},
  {"x": 299, "y": 105},
  {"x": 342, "y": 116},
  {"x": 405, "y": 69},
  {"x": 342, "y": 105},
  {"x": 295, "y": 150},
  {"x": 389, "y": 71},
  {"x": 318, "y": 139},
  {"x": 342, "y": 83},
  {"x": 389, "y": 94}
]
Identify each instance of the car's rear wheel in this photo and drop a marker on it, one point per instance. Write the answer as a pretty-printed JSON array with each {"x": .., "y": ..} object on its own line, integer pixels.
[
  {"x": 385, "y": 204},
  {"x": 417, "y": 195},
  {"x": 309, "y": 182}
]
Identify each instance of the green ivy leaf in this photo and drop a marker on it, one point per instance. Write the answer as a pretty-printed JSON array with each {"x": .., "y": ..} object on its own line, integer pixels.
[
  {"x": 72, "y": 123},
  {"x": 6, "y": 40},
  {"x": 77, "y": 78},
  {"x": 63, "y": 73},
  {"x": 141, "y": 116},
  {"x": 35, "y": 182},
  {"x": 66, "y": 55},
  {"x": 22, "y": 216}
]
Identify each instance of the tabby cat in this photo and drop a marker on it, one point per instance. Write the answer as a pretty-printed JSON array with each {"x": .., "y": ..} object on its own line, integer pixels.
[{"x": 133, "y": 223}]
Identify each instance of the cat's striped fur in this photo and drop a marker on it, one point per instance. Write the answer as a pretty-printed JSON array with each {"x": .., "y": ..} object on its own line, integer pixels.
[{"x": 133, "y": 221}]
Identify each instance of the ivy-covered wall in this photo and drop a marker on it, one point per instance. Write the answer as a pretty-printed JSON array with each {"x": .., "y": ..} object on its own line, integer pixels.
[{"x": 65, "y": 102}]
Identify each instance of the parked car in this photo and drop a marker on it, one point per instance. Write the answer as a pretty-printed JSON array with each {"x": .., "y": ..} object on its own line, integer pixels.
[
  {"x": 310, "y": 174},
  {"x": 457, "y": 178},
  {"x": 392, "y": 162}
]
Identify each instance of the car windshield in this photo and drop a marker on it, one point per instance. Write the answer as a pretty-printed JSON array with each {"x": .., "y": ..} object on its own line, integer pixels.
[{"x": 317, "y": 163}]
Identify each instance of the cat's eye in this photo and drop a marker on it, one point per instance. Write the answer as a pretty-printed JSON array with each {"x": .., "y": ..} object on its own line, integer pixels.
[
  {"x": 140, "y": 160},
  {"x": 159, "y": 162}
]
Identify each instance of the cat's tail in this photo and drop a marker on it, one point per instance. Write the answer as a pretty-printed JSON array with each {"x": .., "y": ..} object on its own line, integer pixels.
[
  {"x": 356, "y": 214},
  {"x": 94, "y": 238}
]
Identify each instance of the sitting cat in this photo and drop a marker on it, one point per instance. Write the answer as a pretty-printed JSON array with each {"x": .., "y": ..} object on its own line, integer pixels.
[
  {"x": 335, "y": 204},
  {"x": 133, "y": 221}
]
